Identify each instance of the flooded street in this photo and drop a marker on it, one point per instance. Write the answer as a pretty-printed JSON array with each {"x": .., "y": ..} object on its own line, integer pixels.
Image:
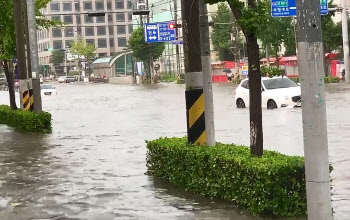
[{"x": 92, "y": 165}]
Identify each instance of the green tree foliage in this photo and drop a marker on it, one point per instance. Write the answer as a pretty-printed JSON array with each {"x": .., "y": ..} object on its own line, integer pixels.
[
  {"x": 83, "y": 49},
  {"x": 221, "y": 34},
  {"x": 141, "y": 50},
  {"x": 331, "y": 32},
  {"x": 57, "y": 57}
]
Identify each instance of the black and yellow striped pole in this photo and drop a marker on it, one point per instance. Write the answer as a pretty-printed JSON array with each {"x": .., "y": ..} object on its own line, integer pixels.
[
  {"x": 195, "y": 116},
  {"x": 31, "y": 95}
]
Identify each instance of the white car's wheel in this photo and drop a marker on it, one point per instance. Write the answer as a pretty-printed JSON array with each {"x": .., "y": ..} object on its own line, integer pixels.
[
  {"x": 271, "y": 104},
  {"x": 240, "y": 103}
]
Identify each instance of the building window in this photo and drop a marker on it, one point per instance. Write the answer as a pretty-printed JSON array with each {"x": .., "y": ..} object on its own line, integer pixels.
[
  {"x": 130, "y": 16},
  {"x": 68, "y": 19},
  {"x": 102, "y": 43},
  {"x": 77, "y": 6},
  {"x": 102, "y": 54},
  {"x": 129, "y": 5},
  {"x": 56, "y": 32},
  {"x": 67, "y": 6},
  {"x": 69, "y": 43},
  {"x": 131, "y": 29},
  {"x": 89, "y": 19},
  {"x": 109, "y": 5},
  {"x": 89, "y": 31},
  {"x": 120, "y": 16},
  {"x": 119, "y": 4},
  {"x": 55, "y": 6},
  {"x": 79, "y": 30},
  {"x": 122, "y": 42},
  {"x": 99, "y": 5},
  {"x": 87, "y": 6},
  {"x": 57, "y": 45},
  {"x": 110, "y": 18},
  {"x": 101, "y": 31},
  {"x": 111, "y": 42},
  {"x": 111, "y": 30},
  {"x": 78, "y": 19},
  {"x": 90, "y": 41},
  {"x": 55, "y": 18},
  {"x": 69, "y": 32},
  {"x": 100, "y": 19},
  {"x": 121, "y": 29}
]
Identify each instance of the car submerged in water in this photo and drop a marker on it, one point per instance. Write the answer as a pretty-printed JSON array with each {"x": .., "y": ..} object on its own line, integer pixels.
[
  {"x": 276, "y": 92},
  {"x": 47, "y": 90}
]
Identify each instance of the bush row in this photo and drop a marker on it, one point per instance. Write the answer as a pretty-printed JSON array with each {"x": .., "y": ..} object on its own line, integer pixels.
[
  {"x": 25, "y": 120},
  {"x": 327, "y": 79},
  {"x": 271, "y": 185}
]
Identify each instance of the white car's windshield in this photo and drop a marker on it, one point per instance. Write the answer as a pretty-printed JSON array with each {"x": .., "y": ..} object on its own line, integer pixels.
[
  {"x": 279, "y": 83},
  {"x": 46, "y": 87}
]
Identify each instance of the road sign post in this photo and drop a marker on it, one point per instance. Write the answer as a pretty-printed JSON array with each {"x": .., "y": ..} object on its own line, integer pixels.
[{"x": 159, "y": 32}]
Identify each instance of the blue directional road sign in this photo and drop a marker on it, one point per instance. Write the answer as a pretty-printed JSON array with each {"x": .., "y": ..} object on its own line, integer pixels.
[
  {"x": 159, "y": 32},
  {"x": 283, "y": 8},
  {"x": 288, "y": 8}
]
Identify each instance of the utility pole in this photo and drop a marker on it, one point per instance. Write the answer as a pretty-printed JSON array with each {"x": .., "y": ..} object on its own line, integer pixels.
[
  {"x": 268, "y": 54},
  {"x": 177, "y": 37},
  {"x": 34, "y": 57},
  {"x": 344, "y": 24},
  {"x": 312, "y": 73},
  {"x": 150, "y": 64},
  {"x": 20, "y": 49},
  {"x": 207, "y": 74},
  {"x": 196, "y": 132}
]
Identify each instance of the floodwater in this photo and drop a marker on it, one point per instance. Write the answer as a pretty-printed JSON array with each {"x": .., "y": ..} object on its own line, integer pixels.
[{"x": 92, "y": 165}]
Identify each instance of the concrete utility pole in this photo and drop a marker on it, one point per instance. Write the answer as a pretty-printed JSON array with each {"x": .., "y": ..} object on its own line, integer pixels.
[
  {"x": 33, "y": 45},
  {"x": 344, "y": 24},
  {"x": 20, "y": 49},
  {"x": 311, "y": 70},
  {"x": 268, "y": 54},
  {"x": 196, "y": 132},
  {"x": 177, "y": 37},
  {"x": 207, "y": 74}
]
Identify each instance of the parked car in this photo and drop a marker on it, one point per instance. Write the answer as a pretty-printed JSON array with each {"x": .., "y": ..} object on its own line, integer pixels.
[
  {"x": 47, "y": 89},
  {"x": 66, "y": 79},
  {"x": 276, "y": 92}
]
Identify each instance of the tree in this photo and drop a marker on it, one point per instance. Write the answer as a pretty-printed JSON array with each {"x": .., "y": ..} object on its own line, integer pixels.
[
  {"x": 142, "y": 50},
  {"x": 221, "y": 34},
  {"x": 58, "y": 57},
  {"x": 83, "y": 49},
  {"x": 249, "y": 18},
  {"x": 8, "y": 40},
  {"x": 274, "y": 31}
]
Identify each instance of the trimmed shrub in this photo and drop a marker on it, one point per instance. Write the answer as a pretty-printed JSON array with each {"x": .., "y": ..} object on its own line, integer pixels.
[
  {"x": 236, "y": 81},
  {"x": 331, "y": 79},
  {"x": 180, "y": 81},
  {"x": 25, "y": 120},
  {"x": 273, "y": 184},
  {"x": 327, "y": 79}
]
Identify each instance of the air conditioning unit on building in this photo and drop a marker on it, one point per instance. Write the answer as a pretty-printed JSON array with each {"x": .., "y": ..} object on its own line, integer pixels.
[{"x": 141, "y": 5}]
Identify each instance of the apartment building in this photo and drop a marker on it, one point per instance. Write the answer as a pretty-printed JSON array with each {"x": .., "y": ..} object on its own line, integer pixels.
[{"x": 109, "y": 33}]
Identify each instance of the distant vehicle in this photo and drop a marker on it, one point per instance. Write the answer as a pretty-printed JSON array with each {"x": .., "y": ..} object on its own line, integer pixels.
[
  {"x": 276, "y": 92},
  {"x": 47, "y": 89},
  {"x": 66, "y": 79}
]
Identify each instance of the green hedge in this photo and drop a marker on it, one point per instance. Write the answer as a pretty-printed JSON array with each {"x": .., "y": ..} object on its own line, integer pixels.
[
  {"x": 25, "y": 120},
  {"x": 327, "y": 79},
  {"x": 271, "y": 185}
]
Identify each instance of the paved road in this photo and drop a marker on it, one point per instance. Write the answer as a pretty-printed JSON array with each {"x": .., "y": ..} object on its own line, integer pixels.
[{"x": 92, "y": 166}]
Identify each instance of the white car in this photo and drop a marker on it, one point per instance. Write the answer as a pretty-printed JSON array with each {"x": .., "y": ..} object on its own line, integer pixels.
[
  {"x": 276, "y": 92},
  {"x": 47, "y": 89}
]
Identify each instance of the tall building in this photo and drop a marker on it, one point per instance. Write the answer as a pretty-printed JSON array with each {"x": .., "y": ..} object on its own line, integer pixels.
[{"x": 109, "y": 33}]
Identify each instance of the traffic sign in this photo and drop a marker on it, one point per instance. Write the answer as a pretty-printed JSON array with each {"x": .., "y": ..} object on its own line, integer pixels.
[
  {"x": 159, "y": 32},
  {"x": 288, "y": 8},
  {"x": 245, "y": 70},
  {"x": 177, "y": 42}
]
